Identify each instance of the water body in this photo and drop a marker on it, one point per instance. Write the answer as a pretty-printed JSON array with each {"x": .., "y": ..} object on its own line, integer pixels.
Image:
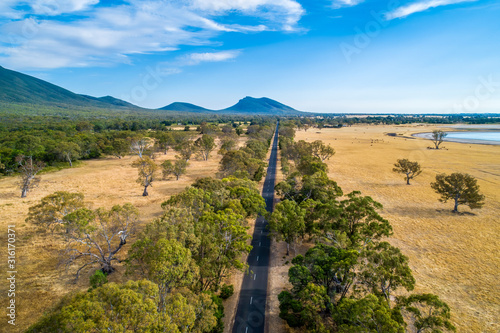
[
  {"x": 485, "y": 136},
  {"x": 479, "y": 137}
]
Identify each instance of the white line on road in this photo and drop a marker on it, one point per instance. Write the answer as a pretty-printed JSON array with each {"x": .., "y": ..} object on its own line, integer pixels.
[
  {"x": 257, "y": 258},
  {"x": 259, "y": 243},
  {"x": 254, "y": 276},
  {"x": 246, "y": 330},
  {"x": 251, "y": 299}
]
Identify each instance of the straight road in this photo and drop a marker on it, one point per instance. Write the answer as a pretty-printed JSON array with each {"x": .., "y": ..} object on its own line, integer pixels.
[{"x": 251, "y": 311}]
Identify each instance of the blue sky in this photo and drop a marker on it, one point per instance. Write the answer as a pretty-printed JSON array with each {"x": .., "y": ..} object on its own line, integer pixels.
[{"x": 348, "y": 56}]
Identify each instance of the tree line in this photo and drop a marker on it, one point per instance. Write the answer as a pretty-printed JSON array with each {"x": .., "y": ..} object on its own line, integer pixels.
[
  {"x": 177, "y": 264},
  {"x": 349, "y": 280}
]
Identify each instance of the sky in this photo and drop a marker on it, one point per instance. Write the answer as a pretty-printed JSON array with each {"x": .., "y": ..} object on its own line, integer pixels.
[{"x": 335, "y": 56}]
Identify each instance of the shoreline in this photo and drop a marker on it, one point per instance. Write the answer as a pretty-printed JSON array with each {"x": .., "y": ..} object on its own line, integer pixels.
[{"x": 428, "y": 136}]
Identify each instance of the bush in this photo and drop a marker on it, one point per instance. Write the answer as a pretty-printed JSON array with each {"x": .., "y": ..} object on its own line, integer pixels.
[
  {"x": 226, "y": 291},
  {"x": 98, "y": 279}
]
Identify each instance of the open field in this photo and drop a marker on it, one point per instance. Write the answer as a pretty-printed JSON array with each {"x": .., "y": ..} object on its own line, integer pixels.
[
  {"x": 105, "y": 182},
  {"x": 454, "y": 256}
]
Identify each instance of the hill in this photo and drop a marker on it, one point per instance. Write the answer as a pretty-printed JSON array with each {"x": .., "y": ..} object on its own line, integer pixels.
[
  {"x": 247, "y": 106},
  {"x": 185, "y": 107},
  {"x": 16, "y": 87},
  {"x": 261, "y": 106},
  {"x": 19, "y": 88}
]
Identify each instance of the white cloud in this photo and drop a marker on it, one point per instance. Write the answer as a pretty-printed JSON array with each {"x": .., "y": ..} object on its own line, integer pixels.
[
  {"x": 103, "y": 35},
  {"x": 286, "y": 13},
  {"x": 56, "y": 7},
  {"x": 420, "y": 7},
  {"x": 345, "y": 3},
  {"x": 197, "y": 58}
]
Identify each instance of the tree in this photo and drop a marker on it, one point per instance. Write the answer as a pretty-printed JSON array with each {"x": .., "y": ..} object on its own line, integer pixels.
[
  {"x": 166, "y": 262},
  {"x": 147, "y": 172},
  {"x": 368, "y": 314},
  {"x": 130, "y": 307},
  {"x": 163, "y": 141},
  {"x": 69, "y": 151},
  {"x": 52, "y": 209},
  {"x": 308, "y": 307},
  {"x": 462, "y": 188},
  {"x": 178, "y": 168},
  {"x": 205, "y": 145},
  {"x": 120, "y": 147},
  {"x": 28, "y": 169},
  {"x": 427, "y": 313},
  {"x": 358, "y": 218},
  {"x": 309, "y": 165},
  {"x": 96, "y": 237},
  {"x": 385, "y": 269},
  {"x": 327, "y": 266},
  {"x": 410, "y": 169},
  {"x": 223, "y": 241},
  {"x": 322, "y": 151},
  {"x": 185, "y": 149},
  {"x": 140, "y": 146},
  {"x": 287, "y": 222},
  {"x": 438, "y": 137}
]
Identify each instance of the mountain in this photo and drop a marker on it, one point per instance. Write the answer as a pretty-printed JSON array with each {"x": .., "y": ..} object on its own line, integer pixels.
[
  {"x": 184, "y": 107},
  {"x": 247, "y": 105},
  {"x": 20, "y": 88},
  {"x": 16, "y": 87},
  {"x": 261, "y": 106}
]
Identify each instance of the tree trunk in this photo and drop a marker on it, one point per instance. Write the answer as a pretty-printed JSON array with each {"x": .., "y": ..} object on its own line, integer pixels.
[
  {"x": 407, "y": 180},
  {"x": 24, "y": 192},
  {"x": 107, "y": 269},
  {"x": 145, "y": 193},
  {"x": 287, "y": 248},
  {"x": 455, "y": 209}
]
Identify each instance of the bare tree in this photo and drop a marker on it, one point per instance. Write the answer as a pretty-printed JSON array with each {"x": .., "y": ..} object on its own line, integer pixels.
[
  {"x": 97, "y": 236},
  {"x": 147, "y": 172},
  {"x": 28, "y": 169},
  {"x": 438, "y": 137},
  {"x": 141, "y": 146}
]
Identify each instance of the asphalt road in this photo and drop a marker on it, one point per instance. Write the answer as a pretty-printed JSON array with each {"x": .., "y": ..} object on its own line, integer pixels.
[{"x": 251, "y": 311}]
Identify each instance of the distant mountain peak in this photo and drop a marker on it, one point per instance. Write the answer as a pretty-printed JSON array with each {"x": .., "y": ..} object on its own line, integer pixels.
[{"x": 246, "y": 105}]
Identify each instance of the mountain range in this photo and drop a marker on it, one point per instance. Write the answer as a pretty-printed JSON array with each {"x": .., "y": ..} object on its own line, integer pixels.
[{"x": 19, "y": 88}]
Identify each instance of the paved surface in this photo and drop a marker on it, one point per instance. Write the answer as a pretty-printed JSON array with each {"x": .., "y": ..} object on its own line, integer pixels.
[{"x": 250, "y": 314}]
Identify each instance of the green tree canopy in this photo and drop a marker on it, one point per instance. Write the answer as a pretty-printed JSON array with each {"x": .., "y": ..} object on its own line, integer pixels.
[{"x": 462, "y": 188}]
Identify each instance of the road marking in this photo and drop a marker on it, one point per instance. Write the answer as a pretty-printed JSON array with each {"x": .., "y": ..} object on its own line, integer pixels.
[
  {"x": 257, "y": 258},
  {"x": 254, "y": 276},
  {"x": 259, "y": 243},
  {"x": 261, "y": 231},
  {"x": 251, "y": 299},
  {"x": 246, "y": 330}
]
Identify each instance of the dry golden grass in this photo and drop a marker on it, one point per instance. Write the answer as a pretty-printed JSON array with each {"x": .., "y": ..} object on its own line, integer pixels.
[
  {"x": 453, "y": 256},
  {"x": 105, "y": 182}
]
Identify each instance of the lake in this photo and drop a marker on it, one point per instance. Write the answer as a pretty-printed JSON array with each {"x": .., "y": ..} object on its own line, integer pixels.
[{"x": 483, "y": 137}]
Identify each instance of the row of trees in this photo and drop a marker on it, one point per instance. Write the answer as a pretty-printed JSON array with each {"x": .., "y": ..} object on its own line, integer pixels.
[
  {"x": 347, "y": 281},
  {"x": 177, "y": 264}
]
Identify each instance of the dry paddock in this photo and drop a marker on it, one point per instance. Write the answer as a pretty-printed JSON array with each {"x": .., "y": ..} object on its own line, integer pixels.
[{"x": 453, "y": 256}]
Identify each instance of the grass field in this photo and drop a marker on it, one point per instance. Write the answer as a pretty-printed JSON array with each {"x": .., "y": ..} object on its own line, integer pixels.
[
  {"x": 105, "y": 182},
  {"x": 454, "y": 256}
]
